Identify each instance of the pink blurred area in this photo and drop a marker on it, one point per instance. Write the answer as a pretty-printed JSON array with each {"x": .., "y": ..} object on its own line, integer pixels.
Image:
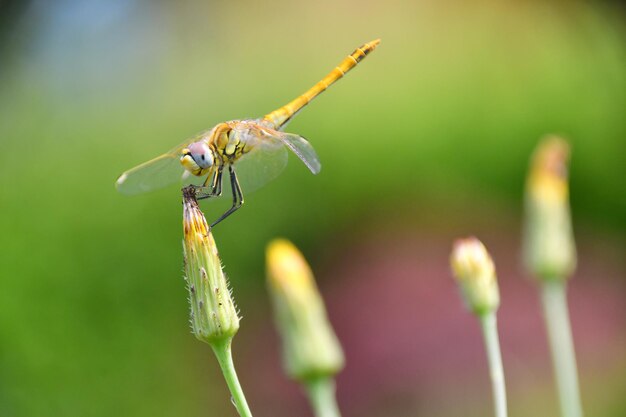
[{"x": 413, "y": 349}]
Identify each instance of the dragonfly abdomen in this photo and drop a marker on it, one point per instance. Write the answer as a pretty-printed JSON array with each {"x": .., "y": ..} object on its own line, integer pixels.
[{"x": 282, "y": 115}]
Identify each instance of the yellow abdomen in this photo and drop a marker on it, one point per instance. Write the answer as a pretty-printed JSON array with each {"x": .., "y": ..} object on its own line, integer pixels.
[{"x": 282, "y": 115}]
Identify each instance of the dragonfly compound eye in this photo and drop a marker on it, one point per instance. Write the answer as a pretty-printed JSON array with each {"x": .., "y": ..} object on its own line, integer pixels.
[
  {"x": 204, "y": 159},
  {"x": 197, "y": 158}
]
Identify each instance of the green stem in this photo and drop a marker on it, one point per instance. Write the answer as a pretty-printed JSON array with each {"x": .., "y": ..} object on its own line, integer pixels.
[
  {"x": 321, "y": 393},
  {"x": 562, "y": 346},
  {"x": 222, "y": 350},
  {"x": 494, "y": 358}
]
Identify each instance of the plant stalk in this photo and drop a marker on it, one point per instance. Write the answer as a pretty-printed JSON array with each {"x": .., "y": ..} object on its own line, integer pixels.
[
  {"x": 554, "y": 299},
  {"x": 321, "y": 392},
  {"x": 223, "y": 352},
  {"x": 494, "y": 358}
]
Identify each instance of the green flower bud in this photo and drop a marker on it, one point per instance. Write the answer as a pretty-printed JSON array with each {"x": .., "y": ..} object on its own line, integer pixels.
[
  {"x": 474, "y": 270},
  {"x": 213, "y": 313},
  {"x": 310, "y": 347},
  {"x": 549, "y": 250}
]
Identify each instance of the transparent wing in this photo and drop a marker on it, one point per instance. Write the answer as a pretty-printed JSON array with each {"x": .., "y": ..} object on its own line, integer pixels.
[
  {"x": 152, "y": 175},
  {"x": 156, "y": 173},
  {"x": 262, "y": 164},
  {"x": 303, "y": 150},
  {"x": 268, "y": 158}
]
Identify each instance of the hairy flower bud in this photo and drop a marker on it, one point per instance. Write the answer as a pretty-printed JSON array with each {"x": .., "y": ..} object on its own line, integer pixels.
[
  {"x": 474, "y": 270},
  {"x": 213, "y": 313},
  {"x": 310, "y": 347}
]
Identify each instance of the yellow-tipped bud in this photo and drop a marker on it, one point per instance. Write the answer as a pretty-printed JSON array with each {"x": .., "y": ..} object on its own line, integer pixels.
[
  {"x": 310, "y": 347},
  {"x": 474, "y": 271},
  {"x": 213, "y": 313},
  {"x": 549, "y": 250}
]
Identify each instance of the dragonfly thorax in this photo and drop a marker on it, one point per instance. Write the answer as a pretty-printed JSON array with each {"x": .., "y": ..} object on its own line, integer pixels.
[{"x": 197, "y": 158}]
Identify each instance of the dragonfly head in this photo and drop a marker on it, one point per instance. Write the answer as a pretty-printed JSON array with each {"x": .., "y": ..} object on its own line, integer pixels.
[{"x": 197, "y": 158}]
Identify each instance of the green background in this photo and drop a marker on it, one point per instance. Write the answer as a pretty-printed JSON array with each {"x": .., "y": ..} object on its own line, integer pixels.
[{"x": 427, "y": 140}]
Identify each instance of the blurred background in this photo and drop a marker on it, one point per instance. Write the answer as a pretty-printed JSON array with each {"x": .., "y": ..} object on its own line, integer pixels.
[{"x": 427, "y": 140}]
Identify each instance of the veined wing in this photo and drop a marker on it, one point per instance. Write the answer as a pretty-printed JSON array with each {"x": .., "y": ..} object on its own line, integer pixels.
[
  {"x": 156, "y": 173},
  {"x": 268, "y": 158},
  {"x": 303, "y": 150}
]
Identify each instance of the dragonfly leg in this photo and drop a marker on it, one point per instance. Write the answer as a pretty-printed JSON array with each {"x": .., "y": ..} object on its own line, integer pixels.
[
  {"x": 237, "y": 196},
  {"x": 213, "y": 183},
  {"x": 218, "y": 183}
]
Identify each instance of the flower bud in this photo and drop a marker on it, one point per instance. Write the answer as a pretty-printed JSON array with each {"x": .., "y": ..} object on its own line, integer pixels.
[
  {"x": 474, "y": 271},
  {"x": 310, "y": 347},
  {"x": 213, "y": 313},
  {"x": 549, "y": 250}
]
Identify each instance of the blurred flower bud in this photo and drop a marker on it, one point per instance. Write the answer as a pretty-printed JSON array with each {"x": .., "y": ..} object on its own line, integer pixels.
[
  {"x": 213, "y": 313},
  {"x": 310, "y": 347},
  {"x": 474, "y": 271},
  {"x": 549, "y": 251}
]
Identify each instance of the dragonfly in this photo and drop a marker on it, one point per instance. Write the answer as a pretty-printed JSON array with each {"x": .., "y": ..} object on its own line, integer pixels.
[{"x": 254, "y": 150}]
